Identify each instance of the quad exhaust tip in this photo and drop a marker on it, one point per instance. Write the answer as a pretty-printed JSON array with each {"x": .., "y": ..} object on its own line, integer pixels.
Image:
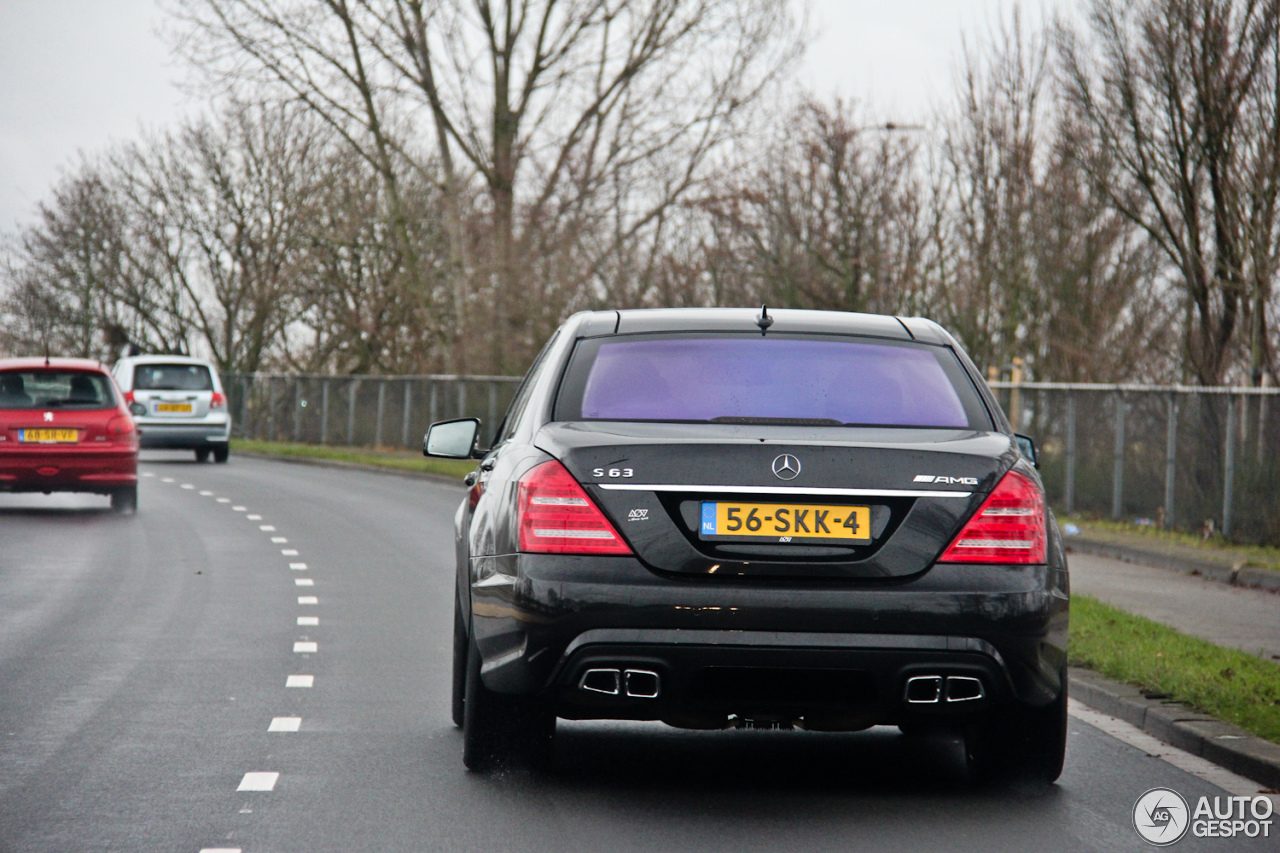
[
  {"x": 933, "y": 689},
  {"x": 634, "y": 683}
]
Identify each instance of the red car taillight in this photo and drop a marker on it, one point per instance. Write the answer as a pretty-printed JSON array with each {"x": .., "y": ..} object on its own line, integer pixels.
[
  {"x": 218, "y": 401},
  {"x": 555, "y": 516},
  {"x": 120, "y": 428},
  {"x": 1009, "y": 527}
]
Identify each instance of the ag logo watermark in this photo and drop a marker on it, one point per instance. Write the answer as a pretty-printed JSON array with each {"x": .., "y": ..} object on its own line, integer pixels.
[{"x": 1162, "y": 817}]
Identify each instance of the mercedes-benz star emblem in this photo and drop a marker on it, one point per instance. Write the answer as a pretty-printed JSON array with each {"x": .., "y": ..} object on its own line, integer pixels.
[{"x": 786, "y": 467}]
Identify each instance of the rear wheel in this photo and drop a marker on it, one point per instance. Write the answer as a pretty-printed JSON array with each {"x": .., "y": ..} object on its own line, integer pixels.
[
  {"x": 459, "y": 664},
  {"x": 499, "y": 730},
  {"x": 202, "y": 454},
  {"x": 1026, "y": 744},
  {"x": 125, "y": 500},
  {"x": 221, "y": 453}
]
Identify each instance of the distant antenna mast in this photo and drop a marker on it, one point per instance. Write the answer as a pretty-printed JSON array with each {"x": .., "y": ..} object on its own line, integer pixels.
[{"x": 763, "y": 320}]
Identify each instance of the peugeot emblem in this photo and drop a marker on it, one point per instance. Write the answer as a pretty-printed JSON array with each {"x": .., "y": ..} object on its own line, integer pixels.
[{"x": 786, "y": 467}]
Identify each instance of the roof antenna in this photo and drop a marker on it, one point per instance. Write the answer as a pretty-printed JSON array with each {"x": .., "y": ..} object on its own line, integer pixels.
[{"x": 763, "y": 320}]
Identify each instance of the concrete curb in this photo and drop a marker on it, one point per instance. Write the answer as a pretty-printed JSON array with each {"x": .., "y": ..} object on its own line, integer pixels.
[
  {"x": 1212, "y": 739},
  {"x": 353, "y": 466},
  {"x": 1249, "y": 576}
]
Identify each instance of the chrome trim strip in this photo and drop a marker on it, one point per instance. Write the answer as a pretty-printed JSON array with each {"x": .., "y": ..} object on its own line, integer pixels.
[{"x": 778, "y": 490}]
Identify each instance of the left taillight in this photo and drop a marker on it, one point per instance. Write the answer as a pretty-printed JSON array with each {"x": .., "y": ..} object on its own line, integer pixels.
[
  {"x": 556, "y": 516},
  {"x": 1009, "y": 527},
  {"x": 217, "y": 401}
]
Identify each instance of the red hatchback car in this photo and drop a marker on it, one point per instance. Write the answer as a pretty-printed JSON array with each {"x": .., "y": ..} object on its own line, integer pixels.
[{"x": 65, "y": 427}]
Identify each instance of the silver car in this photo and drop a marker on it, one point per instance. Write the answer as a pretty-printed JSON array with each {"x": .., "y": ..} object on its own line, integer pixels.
[{"x": 178, "y": 402}]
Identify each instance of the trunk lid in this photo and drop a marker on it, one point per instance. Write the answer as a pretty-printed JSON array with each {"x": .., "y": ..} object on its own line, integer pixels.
[{"x": 913, "y": 488}]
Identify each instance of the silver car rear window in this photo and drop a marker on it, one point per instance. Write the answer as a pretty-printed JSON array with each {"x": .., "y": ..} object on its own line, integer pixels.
[{"x": 172, "y": 377}]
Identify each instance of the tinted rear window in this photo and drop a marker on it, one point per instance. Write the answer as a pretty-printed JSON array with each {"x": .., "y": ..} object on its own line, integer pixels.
[
  {"x": 55, "y": 389},
  {"x": 774, "y": 379},
  {"x": 172, "y": 377}
]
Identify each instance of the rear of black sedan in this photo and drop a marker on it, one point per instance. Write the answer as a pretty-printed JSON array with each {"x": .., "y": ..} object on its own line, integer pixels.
[{"x": 722, "y": 518}]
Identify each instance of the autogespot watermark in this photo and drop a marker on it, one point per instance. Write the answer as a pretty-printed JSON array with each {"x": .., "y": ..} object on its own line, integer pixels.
[{"x": 1162, "y": 817}]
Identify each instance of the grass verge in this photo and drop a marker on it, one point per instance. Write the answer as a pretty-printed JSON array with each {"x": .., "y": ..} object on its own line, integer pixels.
[
  {"x": 1174, "y": 541},
  {"x": 399, "y": 460},
  {"x": 1234, "y": 686}
]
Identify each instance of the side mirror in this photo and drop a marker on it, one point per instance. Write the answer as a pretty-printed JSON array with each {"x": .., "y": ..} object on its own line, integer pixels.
[
  {"x": 1027, "y": 448},
  {"x": 452, "y": 439}
]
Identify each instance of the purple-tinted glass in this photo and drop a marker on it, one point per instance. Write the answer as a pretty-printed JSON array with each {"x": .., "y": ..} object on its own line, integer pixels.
[{"x": 700, "y": 379}]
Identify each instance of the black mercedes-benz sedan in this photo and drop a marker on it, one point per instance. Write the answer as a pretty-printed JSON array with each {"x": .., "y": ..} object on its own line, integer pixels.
[{"x": 741, "y": 518}]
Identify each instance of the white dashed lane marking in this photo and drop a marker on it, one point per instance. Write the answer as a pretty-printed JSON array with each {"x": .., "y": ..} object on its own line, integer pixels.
[
  {"x": 300, "y": 681},
  {"x": 224, "y": 500},
  {"x": 308, "y": 620},
  {"x": 279, "y": 540},
  {"x": 239, "y": 508},
  {"x": 269, "y": 528},
  {"x": 298, "y": 567},
  {"x": 289, "y": 552},
  {"x": 303, "y": 582},
  {"x": 254, "y": 517},
  {"x": 206, "y": 494},
  {"x": 302, "y": 647},
  {"x": 166, "y": 479},
  {"x": 308, "y": 599},
  {"x": 220, "y": 850},
  {"x": 258, "y": 782},
  {"x": 147, "y": 474},
  {"x": 187, "y": 486},
  {"x": 285, "y": 724}
]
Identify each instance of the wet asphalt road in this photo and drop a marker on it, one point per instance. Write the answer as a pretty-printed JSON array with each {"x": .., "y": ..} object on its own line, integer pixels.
[{"x": 143, "y": 660}]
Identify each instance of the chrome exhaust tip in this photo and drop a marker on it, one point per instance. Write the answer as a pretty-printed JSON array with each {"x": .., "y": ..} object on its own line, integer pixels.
[
  {"x": 642, "y": 684},
  {"x": 606, "y": 681},
  {"x": 964, "y": 688},
  {"x": 924, "y": 690}
]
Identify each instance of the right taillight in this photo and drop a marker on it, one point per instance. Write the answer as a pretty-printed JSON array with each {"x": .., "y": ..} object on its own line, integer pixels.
[
  {"x": 556, "y": 516},
  {"x": 1009, "y": 527}
]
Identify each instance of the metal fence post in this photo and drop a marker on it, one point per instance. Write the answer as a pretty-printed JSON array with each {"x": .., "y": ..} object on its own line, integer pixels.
[
  {"x": 1117, "y": 481},
  {"x": 324, "y": 411},
  {"x": 493, "y": 409},
  {"x": 297, "y": 409},
  {"x": 1170, "y": 460},
  {"x": 408, "y": 400},
  {"x": 435, "y": 402},
  {"x": 351, "y": 411},
  {"x": 462, "y": 397},
  {"x": 1229, "y": 475},
  {"x": 1069, "y": 500},
  {"x": 271, "y": 408},
  {"x": 382, "y": 404}
]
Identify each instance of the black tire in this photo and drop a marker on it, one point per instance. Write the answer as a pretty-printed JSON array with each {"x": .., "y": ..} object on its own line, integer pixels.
[
  {"x": 202, "y": 454},
  {"x": 125, "y": 500},
  {"x": 1024, "y": 744},
  {"x": 459, "y": 665},
  {"x": 221, "y": 454},
  {"x": 499, "y": 730}
]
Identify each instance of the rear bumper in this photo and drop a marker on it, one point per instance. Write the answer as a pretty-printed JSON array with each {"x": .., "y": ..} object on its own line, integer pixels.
[
  {"x": 541, "y": 622},
  {"x": 168, "y": 434},
  {"x": 69, "y": 470}
]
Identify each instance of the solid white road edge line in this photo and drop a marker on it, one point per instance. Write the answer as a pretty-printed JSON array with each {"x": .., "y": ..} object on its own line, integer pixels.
[
  {"x": 258, "y": 781},
  {"x": 285, "y": 724},
  {"x": 1185, "y": 761}
]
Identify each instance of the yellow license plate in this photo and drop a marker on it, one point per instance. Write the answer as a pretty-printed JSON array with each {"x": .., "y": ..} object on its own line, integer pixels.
[
  {"x": 181, "y": 408},
  {"x": 49, "y": 436},
  {"x": 785, "y": 522}
]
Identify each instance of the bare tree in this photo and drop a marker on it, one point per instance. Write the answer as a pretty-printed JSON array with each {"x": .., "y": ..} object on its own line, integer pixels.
[{"x": 1184, "y": 112}]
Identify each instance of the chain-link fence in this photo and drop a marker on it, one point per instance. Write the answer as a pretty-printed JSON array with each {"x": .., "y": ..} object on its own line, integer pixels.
[
  {"x": 368, "y": 411},
  {"x": 1183, "y": 457}
]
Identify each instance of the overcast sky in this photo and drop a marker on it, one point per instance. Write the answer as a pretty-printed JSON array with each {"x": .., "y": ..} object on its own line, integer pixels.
[{"x": 78, "y": 74}]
